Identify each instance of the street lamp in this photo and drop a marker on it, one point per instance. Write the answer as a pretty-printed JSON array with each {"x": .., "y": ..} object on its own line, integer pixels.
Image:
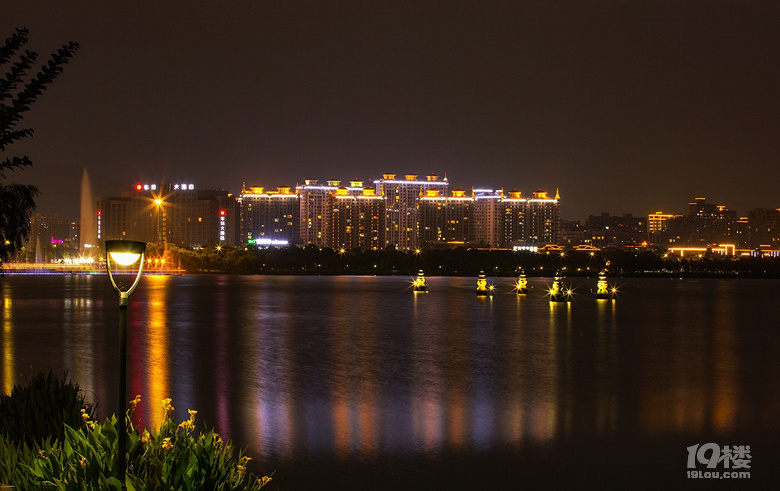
[
  {"x": 158, "y": 235},
  {"x": 123, "y": 254}
]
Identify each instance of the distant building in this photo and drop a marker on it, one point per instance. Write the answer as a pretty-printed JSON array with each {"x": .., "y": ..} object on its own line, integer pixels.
[
  {"x": 764, "y": 228},
  {"x": 269, "y": 217},
  {"x": 572, "y": 233},
  {"x": 659, "y": 227},
  {"x": 445, "y": 219},
  {"x": 543, "y": 219},
  {"x": 605, "y": 229},
  {"x": 507, "y": 219},
  {"x": 315, "y": 214},
  {"x": 488, "y": 217},
  {"x": 176, "y": 214},
  {"x": 50, "y": 229},
  {"x": 708, "y": 224},
  {"x": 514, "y": 210},
  {"x": 401, "y": 206},
  {"x": 357, "y": 218}
]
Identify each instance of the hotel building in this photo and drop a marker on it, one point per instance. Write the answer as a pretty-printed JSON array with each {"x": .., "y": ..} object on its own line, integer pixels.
[{"x": 176, "y": 214}]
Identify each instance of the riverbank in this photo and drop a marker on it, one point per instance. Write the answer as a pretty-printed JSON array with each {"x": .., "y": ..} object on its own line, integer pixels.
[{"x": 460, "y": 261}]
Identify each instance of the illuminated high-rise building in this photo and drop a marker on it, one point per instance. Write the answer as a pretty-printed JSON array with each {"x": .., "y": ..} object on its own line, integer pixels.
[
  {"x": 445, "y": 219},
  {"x": 515, "y": 210},
  {"x": 402, "y": 195},
  {"x": 269, "y": 217},
  {"x": 543, "y": 218},
  {"x": 487, "y": 217},
  {"x": 357, "y": 218},
  {"x": 314, "y": 215},
  {"x": 176, "y": 214}
]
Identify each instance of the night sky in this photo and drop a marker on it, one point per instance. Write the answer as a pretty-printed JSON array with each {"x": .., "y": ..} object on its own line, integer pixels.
[{"x": 626, "y": 106}]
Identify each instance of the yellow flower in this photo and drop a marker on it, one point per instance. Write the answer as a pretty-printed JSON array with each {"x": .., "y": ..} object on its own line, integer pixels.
[
  {"x": 41, "y": 453},
  {"x": 263, "y": 481},
  {"x": 166, "y": 444},
  {"x": 167, "y": 408},
  {"x": 83, "y": 462},
  {"x": 241, "y": 470},
  {"x": 186, "y": 425},
  {"x": 192, "y": 413},
  {"x": 145, "y": 437},
  {"x": 166, "y": 404},
  {"x": 245, "y": 460},
  {"x": 135, "y": 401}
]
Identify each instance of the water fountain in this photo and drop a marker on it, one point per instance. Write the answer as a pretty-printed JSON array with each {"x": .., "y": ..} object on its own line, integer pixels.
[{"x": 87, "y": 229}]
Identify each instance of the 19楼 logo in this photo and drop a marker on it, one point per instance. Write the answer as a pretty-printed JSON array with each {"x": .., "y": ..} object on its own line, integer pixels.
[{"x": 713, "y": 456}]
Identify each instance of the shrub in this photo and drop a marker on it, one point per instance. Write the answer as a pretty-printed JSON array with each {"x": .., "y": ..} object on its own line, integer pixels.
[
  {"x": 168, "y": 457},
  {"x": 40, "y": 409}
]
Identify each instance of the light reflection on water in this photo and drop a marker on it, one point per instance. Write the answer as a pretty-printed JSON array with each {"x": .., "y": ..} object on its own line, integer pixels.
[{"x": 360, "y": 368}]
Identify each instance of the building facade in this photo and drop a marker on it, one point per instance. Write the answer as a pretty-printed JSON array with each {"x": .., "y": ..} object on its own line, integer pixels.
[
  {"x": 401, "y": 206},
  {"x": 268, "y": 217},
  {"x": 445, "y": 219},
  {"x": 314, "y": 215},
  {"x": 357, "y": 218},
  {"x": 178, "y": 214}
]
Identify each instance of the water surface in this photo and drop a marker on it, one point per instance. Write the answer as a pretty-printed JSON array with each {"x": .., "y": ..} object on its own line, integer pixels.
[{"x": 355, "y": 382}]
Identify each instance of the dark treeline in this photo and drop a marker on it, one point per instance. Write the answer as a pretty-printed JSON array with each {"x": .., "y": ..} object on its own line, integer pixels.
[{"x": 460, "y": 261}]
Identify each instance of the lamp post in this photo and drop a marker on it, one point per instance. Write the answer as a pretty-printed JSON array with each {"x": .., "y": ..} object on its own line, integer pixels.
[
  {"x": 158, "y": 233},
  {"x": 123, "y": 254}
]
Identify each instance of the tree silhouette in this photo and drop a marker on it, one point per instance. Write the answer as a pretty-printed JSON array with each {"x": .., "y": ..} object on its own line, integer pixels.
[{"x": 18, "y": 91}]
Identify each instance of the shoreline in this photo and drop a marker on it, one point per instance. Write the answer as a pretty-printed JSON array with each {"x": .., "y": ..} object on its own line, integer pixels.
[{"x": 530, "y": 274}]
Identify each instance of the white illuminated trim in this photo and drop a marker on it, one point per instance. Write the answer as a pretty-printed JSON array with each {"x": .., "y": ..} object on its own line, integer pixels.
[
  {"x": 430, "y": 183},
  {"x": 321, "y": 188}
]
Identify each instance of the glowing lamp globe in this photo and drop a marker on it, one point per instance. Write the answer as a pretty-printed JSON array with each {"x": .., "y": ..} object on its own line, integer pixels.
[
  {"x": 125, "y": 258},
  {"x": 124, "y": 253}
]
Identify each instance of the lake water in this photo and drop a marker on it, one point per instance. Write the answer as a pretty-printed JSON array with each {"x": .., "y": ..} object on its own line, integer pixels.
[{"x": 359, "y": 383}]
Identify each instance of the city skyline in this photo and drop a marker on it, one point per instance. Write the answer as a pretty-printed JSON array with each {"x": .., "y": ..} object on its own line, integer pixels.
[
  {"x": 628, "y": 107},
  {"x": 680, "y": 208},
  {"x": 400, "y": 211}
]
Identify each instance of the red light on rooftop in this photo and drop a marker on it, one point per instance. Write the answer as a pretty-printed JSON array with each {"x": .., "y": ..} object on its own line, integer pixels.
[
  {"x": 138, "y": 187},
  {"x": 222, "y": 213}
]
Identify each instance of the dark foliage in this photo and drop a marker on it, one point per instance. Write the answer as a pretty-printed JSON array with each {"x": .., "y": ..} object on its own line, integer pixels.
[
  {"x": 460, "y": 261},
  {"x": 40, "y": 409},
  {"x": 18, "y": 91}
]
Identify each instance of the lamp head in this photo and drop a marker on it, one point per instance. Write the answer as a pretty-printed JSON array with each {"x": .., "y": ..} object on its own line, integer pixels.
[
  {"x": 128, "y": 250},
  {"x": 125, "y": 253}
]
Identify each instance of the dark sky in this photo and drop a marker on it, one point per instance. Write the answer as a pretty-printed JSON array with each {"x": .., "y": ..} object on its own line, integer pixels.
[{"x": 627, "y": 106}]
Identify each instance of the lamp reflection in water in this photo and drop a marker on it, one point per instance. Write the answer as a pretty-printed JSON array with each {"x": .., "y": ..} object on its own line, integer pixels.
[
  {"x": 8, "y": 341},
  {"x": 121, "y": 256}
]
